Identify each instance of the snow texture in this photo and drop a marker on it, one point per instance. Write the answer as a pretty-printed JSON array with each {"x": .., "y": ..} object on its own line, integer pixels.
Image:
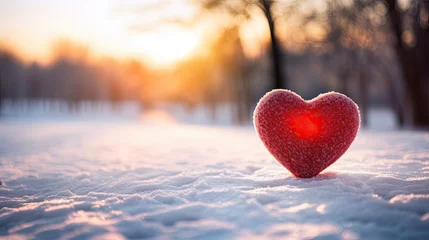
[
  {"x": 130, "y": 180},
  {"x": 306, "y": 136}
]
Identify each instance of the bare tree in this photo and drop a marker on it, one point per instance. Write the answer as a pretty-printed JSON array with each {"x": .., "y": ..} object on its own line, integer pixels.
[
  {"x": 278, "y": 62},
  {"x": 350, "y": 40},
  {"x": 413, "y": 54},
  {"x": 242, "y": 8},
  {"x": 356, "y": 38}
]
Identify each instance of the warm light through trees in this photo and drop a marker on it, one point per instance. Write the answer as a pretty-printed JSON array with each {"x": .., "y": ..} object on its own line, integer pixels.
[{"x": 231, "y": 52}]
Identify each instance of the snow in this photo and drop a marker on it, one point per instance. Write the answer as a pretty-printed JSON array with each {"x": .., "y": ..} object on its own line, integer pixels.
[{"x": 133, "y": 179}]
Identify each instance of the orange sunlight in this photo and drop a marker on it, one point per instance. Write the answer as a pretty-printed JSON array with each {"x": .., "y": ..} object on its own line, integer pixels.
[
  {"x": 166, "y": 46},
  {"x": 31, "y": 28},
  {"x": 142, "y": 30}
]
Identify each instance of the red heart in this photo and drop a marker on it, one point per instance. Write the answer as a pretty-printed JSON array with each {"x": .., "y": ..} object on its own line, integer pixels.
[{"x": 306, "y": 136}]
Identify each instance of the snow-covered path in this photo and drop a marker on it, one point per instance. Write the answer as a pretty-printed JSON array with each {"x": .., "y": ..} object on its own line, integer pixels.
[{"x": 131, "y": 180}]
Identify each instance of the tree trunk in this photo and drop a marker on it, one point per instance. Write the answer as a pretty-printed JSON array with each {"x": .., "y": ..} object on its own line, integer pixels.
[
  {"x": 1, "y": 93},
  {"x": 279, "y": 80},
  {"x": 421, "y": 29},
  {"x": 396, "y": 97},
  {"x": 344, "y": 70},
  {"x": 396, "y": 105},
  {"x": 364, "y": 96},
  {"x": 413, "y": 61}
]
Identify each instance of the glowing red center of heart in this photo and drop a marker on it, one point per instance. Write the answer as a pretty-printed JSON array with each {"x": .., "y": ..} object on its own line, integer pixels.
[{"x": 305, "y": 125}]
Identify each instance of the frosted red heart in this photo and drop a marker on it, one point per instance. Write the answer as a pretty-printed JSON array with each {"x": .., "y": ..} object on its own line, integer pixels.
[{"x": 306, "y": 137}]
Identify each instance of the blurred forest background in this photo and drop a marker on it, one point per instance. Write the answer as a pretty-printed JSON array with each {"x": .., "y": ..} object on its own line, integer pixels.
[{"x": 375, "y": 51}]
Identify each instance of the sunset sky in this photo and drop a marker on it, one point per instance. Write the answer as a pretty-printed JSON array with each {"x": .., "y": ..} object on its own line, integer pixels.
[{"x": 108, "y": 27}]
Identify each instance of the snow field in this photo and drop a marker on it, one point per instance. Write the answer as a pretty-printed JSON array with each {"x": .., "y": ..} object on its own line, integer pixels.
[{"x": 82, "y": 180}]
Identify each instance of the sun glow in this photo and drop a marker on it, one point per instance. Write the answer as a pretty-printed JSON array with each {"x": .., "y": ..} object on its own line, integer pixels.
[
  {"x": 168, "y": 45},
  {"x": 32, "y": 28}
]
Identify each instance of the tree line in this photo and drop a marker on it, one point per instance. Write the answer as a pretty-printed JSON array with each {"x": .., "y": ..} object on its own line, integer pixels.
[{"x": 374, "y": 51}]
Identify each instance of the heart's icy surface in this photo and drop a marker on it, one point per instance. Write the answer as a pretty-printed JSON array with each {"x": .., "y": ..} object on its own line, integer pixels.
[{"x": 306, "y": 136}]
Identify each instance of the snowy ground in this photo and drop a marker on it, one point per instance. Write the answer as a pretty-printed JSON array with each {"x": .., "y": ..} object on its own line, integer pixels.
[{"x": 119, "y": 179}]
